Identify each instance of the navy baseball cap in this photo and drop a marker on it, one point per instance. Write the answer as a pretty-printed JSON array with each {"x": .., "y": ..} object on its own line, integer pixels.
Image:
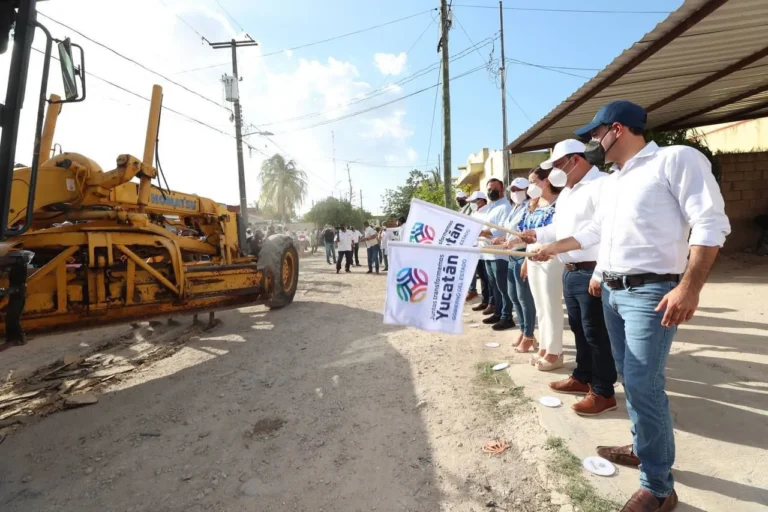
[{"x": 622, "y": 111}]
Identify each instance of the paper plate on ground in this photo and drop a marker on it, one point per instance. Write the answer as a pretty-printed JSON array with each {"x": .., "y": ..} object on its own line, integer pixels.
[
  {"x": 599, "y": 466},
  {"x": 465, "y": 314},
  {"x": 500, "y": 366},
  {"x": 474, "y": 325},
  {"x": 550, "y": 401},
  {"x": 492, "y": 345}
]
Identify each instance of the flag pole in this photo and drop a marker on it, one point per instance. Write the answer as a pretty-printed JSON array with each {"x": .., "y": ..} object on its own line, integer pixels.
[
  {"x": 486, "y": 250},
  {"x": 505, "y": 252}
]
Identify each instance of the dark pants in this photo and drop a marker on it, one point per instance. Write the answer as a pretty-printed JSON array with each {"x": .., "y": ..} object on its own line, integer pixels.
[
  {"x": 373, "y": 258},
  {"x": 594, "y": 361},
  {"x": 348, "y": 256},
  {"x": 481, "y": 274},
  {"x": 357, "y": 260},
  {"x": 497, "y": 282},
  {"x": 386, "y": 260}
]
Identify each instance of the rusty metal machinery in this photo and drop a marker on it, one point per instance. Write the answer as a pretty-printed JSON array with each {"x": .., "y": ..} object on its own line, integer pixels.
[{"x": 109, "y": 246}]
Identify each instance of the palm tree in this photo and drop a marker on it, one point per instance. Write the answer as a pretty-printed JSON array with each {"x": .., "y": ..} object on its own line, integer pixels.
[{"x": 283, "y": 185}]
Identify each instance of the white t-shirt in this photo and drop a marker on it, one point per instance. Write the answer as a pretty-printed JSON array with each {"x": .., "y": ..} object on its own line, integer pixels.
[
  {"x": 385, "y": 236},
  {"x": 356, "y": 236},
  {"x": 369, "y": 231},
  {"x": 345, "y": 240}
]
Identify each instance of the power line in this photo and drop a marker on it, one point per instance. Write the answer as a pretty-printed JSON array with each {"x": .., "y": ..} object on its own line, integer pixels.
[
  {"x": 519, "y": 107},
  {"x": 201, "y": 36},
  {"x": 538, "y": 9},
  {"x": 230, "y": 16},
  {"x": 548, "y": 68},
  {"x": 432, "y": 126},
  {"x": 307, "y": 45},
  {"x": 169, "y": 109},
  {"x": 378, "y": 92},
  {"x": 136, "y": 63},
  {"x": 375, "y": 107}
]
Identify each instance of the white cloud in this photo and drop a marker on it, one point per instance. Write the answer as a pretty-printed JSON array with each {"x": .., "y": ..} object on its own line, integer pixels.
[
  {"x": 389, "y": 63},
  {"x": 391, "y": 126},
  {"x": 412, "y": 155},
  {"x": 196, "y": 159}
]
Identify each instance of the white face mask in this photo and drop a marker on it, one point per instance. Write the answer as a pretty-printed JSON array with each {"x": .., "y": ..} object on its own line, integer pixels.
[
  {"x": 473, "y": 207},
  {"x": 518, "y": 197},
  {"x": 558, "y": 177},
  {"x": 534, "y": 191}
]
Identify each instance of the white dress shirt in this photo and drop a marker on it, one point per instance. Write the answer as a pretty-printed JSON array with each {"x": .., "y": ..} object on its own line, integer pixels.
[
  {"x": 345, "y": 240},
  {"x": 661, "y": 201},
  {"x": 496, "y": 213},
  {"x": 369, "y": 231},
  {"x": 575, "y": 209},
  {"x": 356, "y": 236},
  {"x": 385, "y": 239}
]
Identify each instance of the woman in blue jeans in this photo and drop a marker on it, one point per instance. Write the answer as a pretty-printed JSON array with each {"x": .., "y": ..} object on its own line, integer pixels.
[{"x": 518, "y": 288}]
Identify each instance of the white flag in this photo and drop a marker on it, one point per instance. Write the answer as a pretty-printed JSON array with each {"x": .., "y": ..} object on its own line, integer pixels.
[
  {"x": 432, "y": 224},
  {"x": 428, "y": 284}
]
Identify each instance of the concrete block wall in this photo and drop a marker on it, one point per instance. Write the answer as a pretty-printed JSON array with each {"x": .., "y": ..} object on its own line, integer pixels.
[{"x": 744, "y": 183}]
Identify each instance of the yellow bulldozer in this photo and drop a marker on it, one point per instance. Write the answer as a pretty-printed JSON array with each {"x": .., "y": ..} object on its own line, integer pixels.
[{"x": 83, "y": 247}]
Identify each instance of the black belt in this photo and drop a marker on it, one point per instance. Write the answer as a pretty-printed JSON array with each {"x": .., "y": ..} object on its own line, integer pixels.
[
  {"x": 620, "y": 281},
  {"x": 584, "y": 265}
]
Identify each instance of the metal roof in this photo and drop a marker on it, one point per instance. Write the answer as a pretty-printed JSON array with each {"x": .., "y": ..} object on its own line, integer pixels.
[{"x": 707, "y": 63}]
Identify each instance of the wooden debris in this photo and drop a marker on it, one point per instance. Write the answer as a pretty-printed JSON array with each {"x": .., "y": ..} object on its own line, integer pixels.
[{"x": 80, "y": 400}]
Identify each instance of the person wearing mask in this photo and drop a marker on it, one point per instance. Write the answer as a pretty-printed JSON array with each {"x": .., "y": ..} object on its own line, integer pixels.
[
  {"x": 518, "y": 288},
  {"x": 461, "y": 200},
  {"x": 329, "y": 236},
  {"x": 660, "y": 215},
  {"x": 545, "y": 277},
  {"x": 356, "y": 236},
  {"x": 372, "y": 243},
  {"x": 344, "y": 240},
  {"x": 595, "y": 372},
  {"x": 496, "y": 266},
  {"x": 477, "y": 205}
]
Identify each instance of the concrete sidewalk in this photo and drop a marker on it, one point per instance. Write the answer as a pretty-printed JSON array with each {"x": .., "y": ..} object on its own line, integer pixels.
[{"x": 717, "y": 382}]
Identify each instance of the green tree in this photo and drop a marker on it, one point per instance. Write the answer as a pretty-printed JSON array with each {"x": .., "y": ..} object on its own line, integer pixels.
[
  {"x": 283, "y": 186},
  {"x": 334, "y": 212},
  {"x": 425, "y": 186}
]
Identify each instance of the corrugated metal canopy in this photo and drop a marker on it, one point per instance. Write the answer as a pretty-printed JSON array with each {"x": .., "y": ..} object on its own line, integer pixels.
[{"x": 707, "y": 63}]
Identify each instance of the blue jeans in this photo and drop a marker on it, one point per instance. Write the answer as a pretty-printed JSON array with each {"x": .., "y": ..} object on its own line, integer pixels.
[
  {"x": 330, "y": 250},
  {"x": 594, "y": 361},
  {"x": 640, "y": 347},
  {"x": 373, "y": 258},
  {"x": 497, "y": 282},
  {"x": 519, "y": 292}
]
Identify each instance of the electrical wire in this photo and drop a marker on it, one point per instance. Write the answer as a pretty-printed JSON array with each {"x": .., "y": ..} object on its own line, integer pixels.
[
  {"x": 230, "y": 16},
  {"x": 434, "y": 109},
  {"x": 548, "y": 68},
  {"x": 307, "y": 45},
  {"x": 378, "y": 92},
  {"x": 136, "y": 63},
  {"x": 201, "y": 36},
  {"x": 375, "y": 107},
  {"x": 586, "y": 11}
]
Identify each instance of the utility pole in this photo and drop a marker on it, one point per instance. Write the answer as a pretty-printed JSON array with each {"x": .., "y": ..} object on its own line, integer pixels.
[
  {"x": 233, "y": 44},
  {"x": 351, "y": 194},
  {"x": 503, "y": 70},
  {"x": 445, "y": 23}
]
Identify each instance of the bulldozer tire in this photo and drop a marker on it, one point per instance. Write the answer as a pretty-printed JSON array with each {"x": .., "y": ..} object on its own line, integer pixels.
[{"x": 279, "y": 259}]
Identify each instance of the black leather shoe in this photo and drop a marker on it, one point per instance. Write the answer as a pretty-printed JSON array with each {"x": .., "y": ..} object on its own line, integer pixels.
[
  {"x": 491, "y": 319},
  {"x": 503, "y": 325},
  {"x": 480, "y": 307}
]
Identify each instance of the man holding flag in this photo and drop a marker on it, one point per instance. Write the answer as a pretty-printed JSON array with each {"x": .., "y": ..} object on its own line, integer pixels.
[{"x": 496, "y": 265}]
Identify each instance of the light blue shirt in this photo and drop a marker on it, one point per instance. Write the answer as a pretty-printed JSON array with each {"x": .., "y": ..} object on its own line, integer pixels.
[{"x": 497, "y": 213}]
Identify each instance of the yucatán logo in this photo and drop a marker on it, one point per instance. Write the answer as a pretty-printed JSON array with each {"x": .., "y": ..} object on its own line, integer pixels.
[
  {"x": 412, "y": 284},
  {"x": 422, "y": 233}
]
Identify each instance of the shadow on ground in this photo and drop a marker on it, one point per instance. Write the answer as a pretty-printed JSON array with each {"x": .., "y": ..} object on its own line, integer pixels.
[{"x": 348, "y": 434}]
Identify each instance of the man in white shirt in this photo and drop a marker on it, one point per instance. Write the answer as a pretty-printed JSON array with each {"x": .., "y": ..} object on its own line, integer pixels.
[
  {"x": 499, "y": 207},
  {"x": 344, "y": 242},
  {"x": 371, "y": 239},
  {"x": 461, "y": 200},
  {"x": 595, "y": 372},
  {"x": 356, "y": 236},
  {"x": 660, "y": 215}
]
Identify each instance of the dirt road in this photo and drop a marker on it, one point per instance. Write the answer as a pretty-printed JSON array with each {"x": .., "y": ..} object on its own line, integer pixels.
[{"x": 318, "y": 406}]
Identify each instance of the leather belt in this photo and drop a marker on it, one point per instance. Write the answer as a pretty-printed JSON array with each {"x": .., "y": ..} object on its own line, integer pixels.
[
  {"x": 621, "y": 281},
  {"x": 584, "y": 265}
]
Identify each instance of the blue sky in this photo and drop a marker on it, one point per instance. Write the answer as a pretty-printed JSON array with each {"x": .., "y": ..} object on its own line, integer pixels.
[{"x": 323, "y": 79}]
